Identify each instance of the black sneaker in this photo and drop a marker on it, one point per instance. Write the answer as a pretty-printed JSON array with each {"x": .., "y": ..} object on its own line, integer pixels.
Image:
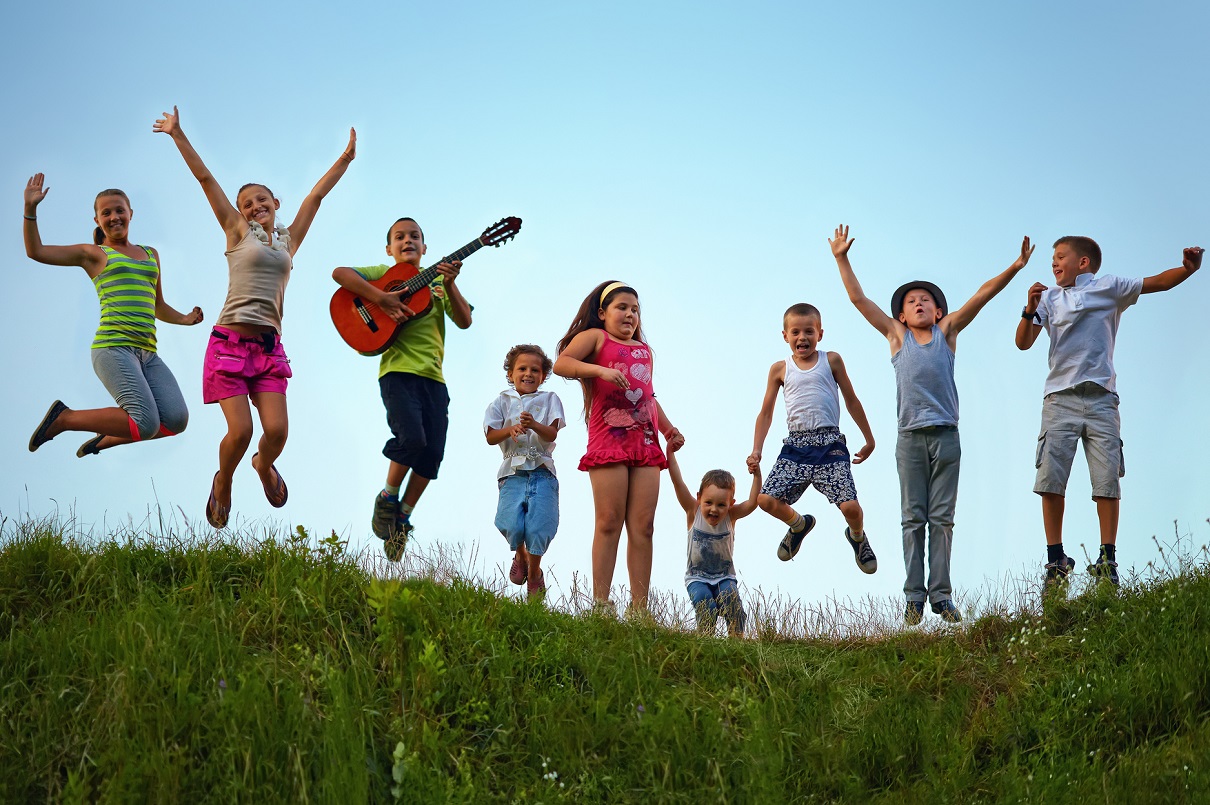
[
  {"x": 792, "y": 541},
  {"x": 393, "y": 546},
  {"x": 386, "y": 511},
  {"x": 90, "y": 447},
  {"x": 1104, "y": 569},
  {"x": 913, "y": 613},
  {"x": 1057, "y": 572},
  {"x": 948, "y": 612},
  {"x": 862, "y": 552},
  {"x": 40, "y": 438}
]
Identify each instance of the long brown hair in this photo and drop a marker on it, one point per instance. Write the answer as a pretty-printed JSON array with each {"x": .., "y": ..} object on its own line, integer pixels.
[{"x": 588, "y": 317}]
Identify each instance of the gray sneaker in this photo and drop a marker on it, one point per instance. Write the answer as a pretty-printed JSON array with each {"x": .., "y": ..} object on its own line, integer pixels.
[
  {"x": 792, "y": 541},
  {"x": 862, "y": 552},
  {"x": 386, "y": 510},
  {"x": 394, "y": 545}
]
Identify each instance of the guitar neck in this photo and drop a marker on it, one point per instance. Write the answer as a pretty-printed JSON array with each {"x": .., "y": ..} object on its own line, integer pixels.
[{"x": 429, "y": 274}]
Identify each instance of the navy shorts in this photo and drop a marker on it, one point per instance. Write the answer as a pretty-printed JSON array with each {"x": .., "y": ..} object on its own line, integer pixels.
[{"x": 418, "y": 416}]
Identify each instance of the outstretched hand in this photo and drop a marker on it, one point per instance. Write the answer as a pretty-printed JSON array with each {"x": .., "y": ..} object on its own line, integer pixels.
[
  {"x": 841, "y": 243},
  {"x": 351, "y": 149},
  {"x": 1192, "y": 258},
  {"x": 1027, "y": 252},
  {"x": 35, "y": 192},
  {"x": 169, "y": 123}
]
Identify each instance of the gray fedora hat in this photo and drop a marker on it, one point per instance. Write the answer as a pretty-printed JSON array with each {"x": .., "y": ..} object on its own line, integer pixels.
[{"x": 902, "y": 291}]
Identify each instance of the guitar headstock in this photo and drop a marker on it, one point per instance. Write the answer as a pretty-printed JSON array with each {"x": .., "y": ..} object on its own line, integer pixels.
[{"x": 501, "y": 231}]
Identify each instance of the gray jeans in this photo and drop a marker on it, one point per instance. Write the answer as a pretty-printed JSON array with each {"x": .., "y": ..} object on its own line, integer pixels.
[
  {"x": 143, "y": 386},
  {"x": 927, "y": 460}
]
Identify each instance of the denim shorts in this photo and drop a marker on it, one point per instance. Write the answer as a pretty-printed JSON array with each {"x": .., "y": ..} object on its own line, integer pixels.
[
  {"x": 528, "y": 511},
  {"x": 1087, "y": 413}
]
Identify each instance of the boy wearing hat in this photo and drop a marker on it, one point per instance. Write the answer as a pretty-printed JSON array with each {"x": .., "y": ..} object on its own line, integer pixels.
[
  {"x": 923, "y": 335},
  {"x": 1081, "y": 315}
]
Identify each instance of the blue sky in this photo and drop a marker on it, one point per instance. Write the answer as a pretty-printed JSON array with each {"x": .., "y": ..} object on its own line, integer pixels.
[{"x": 702, "y": 152}]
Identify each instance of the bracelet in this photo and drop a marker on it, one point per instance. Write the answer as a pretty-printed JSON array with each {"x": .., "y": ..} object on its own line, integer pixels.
[
  {"x": 1025, "y": 314},
  {"x": 30, "y": 217}
]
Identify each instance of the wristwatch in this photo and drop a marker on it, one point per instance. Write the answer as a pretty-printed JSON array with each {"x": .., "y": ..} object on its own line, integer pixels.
[{"x": 1025, "y": 314}]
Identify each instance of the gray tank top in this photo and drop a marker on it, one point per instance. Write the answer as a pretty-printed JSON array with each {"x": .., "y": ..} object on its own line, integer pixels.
[
  {"x": 256, "y": 283},
  {"x": 710, "y": 550},
  {"x": 925, "y": 393}
]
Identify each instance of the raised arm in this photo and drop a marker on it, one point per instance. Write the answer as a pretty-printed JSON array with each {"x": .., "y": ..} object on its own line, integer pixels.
[
  {"x": 166, "y": 312},
  {"x": 1028, "y": 329},
  {"x": 683, "y": 496},
  {"x": 310, "y": 204},
  {"x": 953, "y": 323},
  {"x": 748, "y": 506},
  {"x": 764, "y": 420},
  {"x": 853, "y": 405},
  {"x": 229, "y": 219},
  {"x": 889, "y": 327},
  {"x": 1167, "y": 280},
  {"x": 85, "y": 255}
]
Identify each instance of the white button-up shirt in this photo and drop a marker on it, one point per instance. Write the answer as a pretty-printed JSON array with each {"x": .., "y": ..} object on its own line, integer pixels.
[
  {"x": 529, "y": 450},
  {"x": 1082, "y": 322}
]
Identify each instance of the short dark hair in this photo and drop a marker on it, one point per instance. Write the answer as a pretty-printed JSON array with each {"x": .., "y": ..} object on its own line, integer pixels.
[
  {"x": 525, "y": 349},
  {"x": 1084, "y": 247},
  {"x": 720, "y": 478},
  {"x": 400, "y": 220},
  {"x": 801, "y": 309}
]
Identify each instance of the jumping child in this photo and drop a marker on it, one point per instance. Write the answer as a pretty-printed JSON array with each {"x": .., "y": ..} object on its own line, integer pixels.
[
  {"x": 127, "y": 280},
  {"x": 1080, "y": 401},
  {"x": 245, "y": 361},
  {"x": 525, "y": 423},
  {"x": 605, "y": 350},
  {"x": 927, "y": 452},
  {"x": 815, "y": 451},
  {"x": 410, "y": 381},
  {"x": 710, "y": 575}
]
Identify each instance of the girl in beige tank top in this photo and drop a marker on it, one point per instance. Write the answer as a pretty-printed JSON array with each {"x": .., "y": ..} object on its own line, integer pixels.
[{"x": 260, "y": 254}]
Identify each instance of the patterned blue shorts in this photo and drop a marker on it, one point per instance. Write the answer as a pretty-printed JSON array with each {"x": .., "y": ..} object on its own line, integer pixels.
[{"x": 818, "y": 458}]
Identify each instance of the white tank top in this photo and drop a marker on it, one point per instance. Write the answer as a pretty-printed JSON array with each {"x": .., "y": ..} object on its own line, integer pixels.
[{"x": 812, "y": 397}]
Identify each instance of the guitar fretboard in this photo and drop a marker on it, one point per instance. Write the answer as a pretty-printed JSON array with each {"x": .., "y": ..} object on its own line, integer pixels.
[{"x": 427, "y": 275}]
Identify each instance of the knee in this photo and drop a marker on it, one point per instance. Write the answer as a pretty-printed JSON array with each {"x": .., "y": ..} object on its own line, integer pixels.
[
  {"x": 610, "y": 518},
  {"x": 275, "y": 433},
  {"x": 145, "y": 423},
  {"x": 240, "y": 435},
  {"x": 172, "y": 425},
  {"x": 766, "y": 502},
  {"x": 850, "y": 509}
]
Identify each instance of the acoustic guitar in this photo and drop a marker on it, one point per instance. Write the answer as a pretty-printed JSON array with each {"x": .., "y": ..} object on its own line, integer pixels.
[{"x": 368, "y": 329}]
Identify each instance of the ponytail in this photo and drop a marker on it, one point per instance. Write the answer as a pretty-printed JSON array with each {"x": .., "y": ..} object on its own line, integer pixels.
[{"x": 98, "y": 237}]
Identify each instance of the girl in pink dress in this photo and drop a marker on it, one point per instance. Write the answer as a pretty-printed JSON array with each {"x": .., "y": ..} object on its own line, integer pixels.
[{"x": 604, "y": 349}]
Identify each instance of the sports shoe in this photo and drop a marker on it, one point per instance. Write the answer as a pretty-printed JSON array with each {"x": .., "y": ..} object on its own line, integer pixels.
[
  {"x": 1056, "y": 572},
  {"x": 792, "y": 541},
  {"x": 393, "y": 546},
  {"x": 519, "y": 572},
  {"x": 862, "y": 552},
  {"x": 948, "y": 612},
  {"x": 1104, "y": 569},
  {"x": 913, "y": 613},
  {"x": 90, "y": 447},
  {"x": 386, "y": 510}
]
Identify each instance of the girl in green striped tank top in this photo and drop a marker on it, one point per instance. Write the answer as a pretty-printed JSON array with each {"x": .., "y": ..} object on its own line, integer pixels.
[{"x": 127, "y": 280}]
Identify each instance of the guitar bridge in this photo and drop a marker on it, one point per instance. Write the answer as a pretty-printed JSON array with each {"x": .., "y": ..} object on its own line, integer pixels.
[{"x": 365, "y": 315}]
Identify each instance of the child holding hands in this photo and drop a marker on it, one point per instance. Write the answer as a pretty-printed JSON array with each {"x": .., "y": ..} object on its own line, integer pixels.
[
  {"x": 605, "y": 350},
  {"x": 525, "y": 423},
  {"x": 710, "y": 574}
]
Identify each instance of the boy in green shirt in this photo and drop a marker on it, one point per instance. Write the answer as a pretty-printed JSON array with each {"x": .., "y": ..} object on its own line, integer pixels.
[{"x": 410, "y": 379}]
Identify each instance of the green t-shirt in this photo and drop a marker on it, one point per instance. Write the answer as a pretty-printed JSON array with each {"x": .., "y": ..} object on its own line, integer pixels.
[{"x": 420, "y": 347}]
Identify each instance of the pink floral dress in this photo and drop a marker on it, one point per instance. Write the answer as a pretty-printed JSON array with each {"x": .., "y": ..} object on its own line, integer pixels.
[{"x": 623, "y": 424}]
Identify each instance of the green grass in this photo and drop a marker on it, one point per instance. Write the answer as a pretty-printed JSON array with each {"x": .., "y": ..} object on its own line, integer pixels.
[{"x": 277, "y": 668}]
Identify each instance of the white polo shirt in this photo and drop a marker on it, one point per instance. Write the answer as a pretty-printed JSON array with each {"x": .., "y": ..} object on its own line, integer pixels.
[
  {"x": 528, "y": 451},
  {"x": 1082, "y": 322}
]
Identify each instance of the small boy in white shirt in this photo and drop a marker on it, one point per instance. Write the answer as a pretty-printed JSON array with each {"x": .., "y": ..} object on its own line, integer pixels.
[
  {"x": 525, "y": 423},
  {"x": 1080, "y": 401}
]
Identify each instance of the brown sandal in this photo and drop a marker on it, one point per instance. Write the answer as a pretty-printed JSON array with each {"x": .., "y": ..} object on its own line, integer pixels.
[
  {"x": 279, "y": 494},
  {"x": 216, "y": 515}
]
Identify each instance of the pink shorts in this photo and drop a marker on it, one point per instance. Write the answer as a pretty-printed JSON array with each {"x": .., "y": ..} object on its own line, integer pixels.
[{"x": 240, "y": 364}]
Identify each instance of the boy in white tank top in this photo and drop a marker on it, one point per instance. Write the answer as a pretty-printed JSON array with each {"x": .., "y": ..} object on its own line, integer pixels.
[{"x": 815, "y": 452}]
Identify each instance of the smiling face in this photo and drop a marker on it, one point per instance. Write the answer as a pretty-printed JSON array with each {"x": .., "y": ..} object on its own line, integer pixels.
[
  {"x": 405, "y": 242},
  {"x": 256, "y": 203},
  {"x": 802, "y": 333},
  {"x": 621, "y": 316},
  {"x": 1067, "y": 265},
  {"x": 526, "y": 374},
  {"x": 715, "y": 502},
  {"x": 113, "y": 215},
  {"x": 920, "y": 309}
]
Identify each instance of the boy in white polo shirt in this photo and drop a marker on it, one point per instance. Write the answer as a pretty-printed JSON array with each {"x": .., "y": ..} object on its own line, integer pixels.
[{"x": 1080, "y": 401}]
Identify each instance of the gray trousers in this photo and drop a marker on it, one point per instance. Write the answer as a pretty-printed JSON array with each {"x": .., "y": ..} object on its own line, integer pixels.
[
  {"x": 143, "y": 386},
  {"x": 927, "y": 460}
]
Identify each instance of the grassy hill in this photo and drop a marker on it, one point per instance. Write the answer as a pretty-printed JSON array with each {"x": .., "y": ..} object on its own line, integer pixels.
[{"x": 282, "y": 670}]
